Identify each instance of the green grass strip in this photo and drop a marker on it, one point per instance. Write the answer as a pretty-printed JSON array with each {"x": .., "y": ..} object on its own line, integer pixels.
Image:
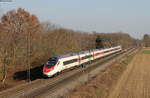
[{"x": 145, "y": 51}]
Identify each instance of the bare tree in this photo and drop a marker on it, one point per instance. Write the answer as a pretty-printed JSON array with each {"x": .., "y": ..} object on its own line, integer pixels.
[{"x": 22, "y": 30}]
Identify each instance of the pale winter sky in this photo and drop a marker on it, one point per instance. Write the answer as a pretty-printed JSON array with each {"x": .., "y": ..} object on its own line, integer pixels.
[{"x": 129, "y": 16}]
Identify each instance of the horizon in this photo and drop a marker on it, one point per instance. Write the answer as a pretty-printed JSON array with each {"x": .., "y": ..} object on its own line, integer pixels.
[{"x": 130, "y": 17}]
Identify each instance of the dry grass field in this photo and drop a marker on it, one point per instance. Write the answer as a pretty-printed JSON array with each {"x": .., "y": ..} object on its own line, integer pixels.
[{"x": 135, "y": 81}]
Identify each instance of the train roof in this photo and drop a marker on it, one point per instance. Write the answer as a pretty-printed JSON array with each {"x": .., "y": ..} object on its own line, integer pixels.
[
  {"x": 74, "y": 53},
  {"x": 77, "y": 53}
]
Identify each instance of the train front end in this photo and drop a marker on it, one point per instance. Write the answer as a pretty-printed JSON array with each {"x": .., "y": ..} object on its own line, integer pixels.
[{"x": 49, "y": 68}]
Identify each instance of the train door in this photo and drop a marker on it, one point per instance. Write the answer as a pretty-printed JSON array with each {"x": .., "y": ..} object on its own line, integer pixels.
[
  {"x": 90, "y": 55},
  {"x": 79, "y": 60}
]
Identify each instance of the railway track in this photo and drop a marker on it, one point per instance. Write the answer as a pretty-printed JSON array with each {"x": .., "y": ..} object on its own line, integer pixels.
[{"x": 45, "y": 87}]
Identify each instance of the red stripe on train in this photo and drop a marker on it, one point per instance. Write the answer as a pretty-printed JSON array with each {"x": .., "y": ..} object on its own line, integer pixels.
[{"x": 48, "y": 69}]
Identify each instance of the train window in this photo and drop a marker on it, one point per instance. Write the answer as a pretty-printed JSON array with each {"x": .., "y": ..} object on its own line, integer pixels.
[
  {"x": 51, "y": 62},
  {"x": 85, "y": 57},
  {"x": 69, "y": 61}
]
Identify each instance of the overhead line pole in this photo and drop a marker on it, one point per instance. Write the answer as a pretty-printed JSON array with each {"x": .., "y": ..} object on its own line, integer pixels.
[{"x": 28, "y": 57}]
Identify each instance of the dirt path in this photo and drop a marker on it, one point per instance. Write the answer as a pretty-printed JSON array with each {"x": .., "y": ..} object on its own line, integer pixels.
[{"x": 135, "y": 81}]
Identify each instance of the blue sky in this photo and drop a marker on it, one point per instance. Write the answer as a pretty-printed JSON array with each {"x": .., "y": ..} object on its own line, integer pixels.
[{"x": 130, "y": 16}]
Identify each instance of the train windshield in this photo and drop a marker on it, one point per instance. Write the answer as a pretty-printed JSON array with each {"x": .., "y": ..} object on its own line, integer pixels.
[{"x": 51, "y": 62}]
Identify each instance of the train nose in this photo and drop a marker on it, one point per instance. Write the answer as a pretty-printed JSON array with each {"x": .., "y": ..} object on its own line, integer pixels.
[{"x": 46, "y": 70}]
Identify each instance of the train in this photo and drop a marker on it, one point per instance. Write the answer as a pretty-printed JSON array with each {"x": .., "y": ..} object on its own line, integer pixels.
[{"x": 57, "y": 64}]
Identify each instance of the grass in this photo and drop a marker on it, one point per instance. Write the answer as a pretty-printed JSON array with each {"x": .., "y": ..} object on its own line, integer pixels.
[{"x": 145, "y": 51}]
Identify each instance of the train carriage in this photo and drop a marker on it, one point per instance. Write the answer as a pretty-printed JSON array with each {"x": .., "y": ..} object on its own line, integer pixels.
[{"x": 57, "y": 64}]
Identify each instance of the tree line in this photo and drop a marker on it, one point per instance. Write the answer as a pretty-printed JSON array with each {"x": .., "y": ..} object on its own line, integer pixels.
[
  {"x": 146, "y": 40},
  {"x": 24, "y": 40}
]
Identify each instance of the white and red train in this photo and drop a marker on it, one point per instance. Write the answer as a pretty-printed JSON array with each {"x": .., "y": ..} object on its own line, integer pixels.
[{"x": 57, "y": 64}]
